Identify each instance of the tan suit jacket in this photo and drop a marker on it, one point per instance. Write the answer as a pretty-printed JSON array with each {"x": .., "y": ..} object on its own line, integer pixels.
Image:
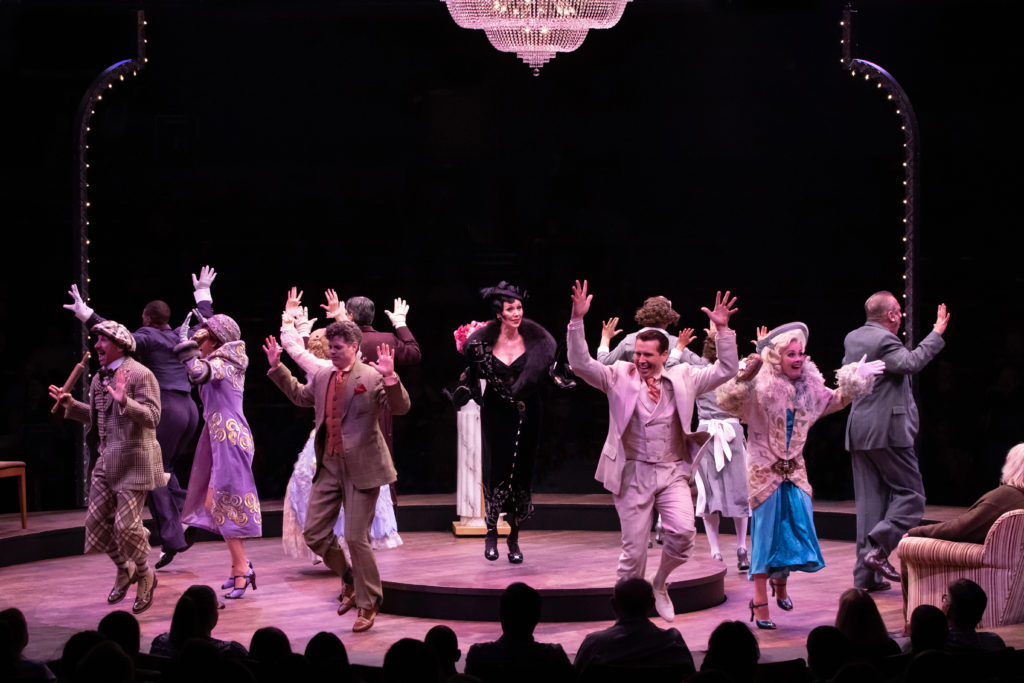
[
  {"x": 367, "y": 458},
  {"x": 622, "y": 383},
  {"x": 131, "y": 455}
]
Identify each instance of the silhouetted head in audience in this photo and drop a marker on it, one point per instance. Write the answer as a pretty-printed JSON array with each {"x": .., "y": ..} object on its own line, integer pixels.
[
  {"x": 326, "y": 646},
  {"x": 928, "y": 628},
  {"x": 932, "y": 666},
  {"x": 8, "y": 650},
  {"x": 195, "y": 615},
  {"x": 859, "y": 620},
  {"x": 965, "y": 605},
  {"x": 827, "y": 651},
  {"x": 410, "y": 661},
  {"x": 19, "y": 628},
  {"x": 520, "y": 610},
  {"x": 269, "y": 645},
  {"x": 733, "y": 649},
  {"x": 445, "y": 644},
  {"x": 632, "y": 598},
  {"x": 122, "y": 628},
  {"x": 75, "y": 649},
  {"x": 105, "y": 663}
]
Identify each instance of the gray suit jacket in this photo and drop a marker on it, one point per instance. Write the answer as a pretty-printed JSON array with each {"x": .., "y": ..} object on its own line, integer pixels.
[{"x": 887, "y": 417}]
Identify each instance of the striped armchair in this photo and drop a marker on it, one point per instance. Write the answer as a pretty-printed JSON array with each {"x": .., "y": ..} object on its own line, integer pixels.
[{"x": 997, "y": 566}]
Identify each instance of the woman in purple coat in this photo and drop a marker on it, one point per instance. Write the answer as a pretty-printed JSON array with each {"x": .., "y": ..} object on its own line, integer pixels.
[{"x": 222, "y": 494}]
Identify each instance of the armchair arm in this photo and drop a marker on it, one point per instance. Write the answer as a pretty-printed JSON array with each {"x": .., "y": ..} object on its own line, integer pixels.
[{"x": 936, "y": 552}]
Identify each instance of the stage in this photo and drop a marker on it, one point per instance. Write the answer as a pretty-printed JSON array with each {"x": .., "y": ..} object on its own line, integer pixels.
[{"x": 435, "y": 575}]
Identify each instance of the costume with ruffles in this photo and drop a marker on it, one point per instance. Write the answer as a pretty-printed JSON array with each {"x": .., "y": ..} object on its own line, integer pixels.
[{"x": 778, "y": 413}]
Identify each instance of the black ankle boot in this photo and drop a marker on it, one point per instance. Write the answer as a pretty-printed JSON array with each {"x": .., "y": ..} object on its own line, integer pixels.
[
  {"x": 515, "y": 555},
  {"x": 491, "y": 545}
]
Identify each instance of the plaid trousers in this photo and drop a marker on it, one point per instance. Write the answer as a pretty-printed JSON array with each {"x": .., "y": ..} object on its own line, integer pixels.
[{"x": 113, "y": 524}]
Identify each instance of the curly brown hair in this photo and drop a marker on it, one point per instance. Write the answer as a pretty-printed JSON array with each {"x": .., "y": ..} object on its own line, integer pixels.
[{"x": 656, "y": 312}]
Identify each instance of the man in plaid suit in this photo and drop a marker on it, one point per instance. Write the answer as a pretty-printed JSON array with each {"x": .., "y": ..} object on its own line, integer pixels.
[{"x": 122, "y": 413}]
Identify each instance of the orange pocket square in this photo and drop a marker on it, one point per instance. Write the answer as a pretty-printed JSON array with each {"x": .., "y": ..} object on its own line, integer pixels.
[{"x": 360, "y": 389}]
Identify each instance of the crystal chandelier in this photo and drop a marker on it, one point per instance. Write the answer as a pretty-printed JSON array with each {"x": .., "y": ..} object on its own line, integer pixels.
[{"x": 536, "y": 30}]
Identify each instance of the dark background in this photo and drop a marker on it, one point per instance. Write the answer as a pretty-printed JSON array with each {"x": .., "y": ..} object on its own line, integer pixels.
[{"x": 377, "y": 148}]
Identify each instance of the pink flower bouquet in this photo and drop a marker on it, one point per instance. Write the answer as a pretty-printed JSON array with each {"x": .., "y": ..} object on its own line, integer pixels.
[{"x": 464, "y": 331}]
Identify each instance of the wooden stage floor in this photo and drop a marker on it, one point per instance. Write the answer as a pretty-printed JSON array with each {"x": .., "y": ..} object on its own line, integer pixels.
[{"x": 63, "y": 595}]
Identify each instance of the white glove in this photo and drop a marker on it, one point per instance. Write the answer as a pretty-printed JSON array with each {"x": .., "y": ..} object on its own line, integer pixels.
[
  {"x": 202, "y": 284},
  {"x": 875, "y": 367},
  {"x": 78, "y": 306},
  {"x": 401, "y": 311},
  {"x": 303, "y": 324}
]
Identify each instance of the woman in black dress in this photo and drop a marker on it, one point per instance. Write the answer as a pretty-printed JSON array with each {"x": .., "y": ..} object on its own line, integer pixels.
[{"x": 512, "y": 354}]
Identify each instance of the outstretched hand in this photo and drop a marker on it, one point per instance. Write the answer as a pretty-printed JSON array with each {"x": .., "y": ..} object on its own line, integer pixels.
[
  {"x": 335, "y": 308},
  {"x": 206, "y": 277},
  {"x": 941, "y": 319},
  {"x": 398, "y": 316},
  {"x": 78, "y": 305},
  {"x": 293, "y": 303},
  {"x": 273, "y": 351},
  {"x": 580, "y": 300},
  {"x": 723, "y": 310},
  {"x": 685, "y": 337},
  {"x": 760, "y": 333},
  {"x": 869, "y": 368},
  {"x": 59, "y": 395},
  {"x": 385, "y": 364},
  {"x": 609, "y": 330},
  {"x": 119, "y": 386}
]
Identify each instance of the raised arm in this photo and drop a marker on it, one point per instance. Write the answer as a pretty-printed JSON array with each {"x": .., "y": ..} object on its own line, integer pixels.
[
  {"x": 392, "y": 390},
  {"x": 407, "y": 350},
  {"x": 727, "y": 363},
  {"x": 583, "y": 365}
]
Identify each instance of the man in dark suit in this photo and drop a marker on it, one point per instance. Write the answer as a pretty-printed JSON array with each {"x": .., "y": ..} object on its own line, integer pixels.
[
  {"x": 122, "y": 414},
  {"x": 633, "y": 640},
  {"x": 352, "y": 460},
  {"x": 880, "y": 436},
  {"x": 407, "y": 350}
]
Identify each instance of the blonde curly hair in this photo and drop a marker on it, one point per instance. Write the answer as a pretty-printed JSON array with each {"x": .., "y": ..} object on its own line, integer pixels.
[
  {"x": 1013, "y": 470},
  {"x": 317, "y": 344}
]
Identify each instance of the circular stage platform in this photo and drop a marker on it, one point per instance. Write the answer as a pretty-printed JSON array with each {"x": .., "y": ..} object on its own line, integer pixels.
[{"x": 440, "y": 576}]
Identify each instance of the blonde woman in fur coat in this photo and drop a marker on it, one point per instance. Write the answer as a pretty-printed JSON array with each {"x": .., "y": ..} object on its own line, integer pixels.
[{"x": 779, "y": 395}]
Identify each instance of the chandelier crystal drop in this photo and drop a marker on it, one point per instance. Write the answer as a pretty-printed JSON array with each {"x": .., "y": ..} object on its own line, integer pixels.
[{"x": 536, "y": 30}]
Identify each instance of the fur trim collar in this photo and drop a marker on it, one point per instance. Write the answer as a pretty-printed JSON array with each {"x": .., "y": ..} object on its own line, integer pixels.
[
  {"x": 540, "y": 349},
  {"x": 777, "y": 392}
]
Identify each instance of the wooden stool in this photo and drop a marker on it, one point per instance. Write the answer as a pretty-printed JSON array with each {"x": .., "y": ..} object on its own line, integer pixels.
[{"x": 14, "y": 468}]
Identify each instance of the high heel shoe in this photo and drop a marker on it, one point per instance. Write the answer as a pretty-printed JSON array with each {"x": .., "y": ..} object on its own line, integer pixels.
[
  {"x": 742, "y": 559},
  {"x": 250, "y": 580},
  {"x": 491, "y": 545},
  {"x": 764, "y": 624},
  {"x": 230, "y": 583},
  {"x": 784, "y": 603}
]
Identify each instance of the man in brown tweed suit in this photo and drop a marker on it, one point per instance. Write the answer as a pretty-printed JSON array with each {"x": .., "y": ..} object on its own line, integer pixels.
[
  {"x": 352, "y": 459},
  {"x": 122, "y": 414}
]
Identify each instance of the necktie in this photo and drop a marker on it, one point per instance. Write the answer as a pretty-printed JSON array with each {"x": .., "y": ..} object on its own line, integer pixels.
[{"x": 654, "y": 388}]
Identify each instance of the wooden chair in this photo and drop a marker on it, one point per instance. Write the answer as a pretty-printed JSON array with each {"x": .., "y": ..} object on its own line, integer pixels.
[{"x": 16, "y": 468}]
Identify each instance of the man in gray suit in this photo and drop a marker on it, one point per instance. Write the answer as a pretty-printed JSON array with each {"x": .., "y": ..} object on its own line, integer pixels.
[{"x": 880, "y": 436}]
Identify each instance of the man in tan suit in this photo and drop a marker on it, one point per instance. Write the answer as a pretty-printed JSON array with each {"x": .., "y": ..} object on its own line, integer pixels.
[
  {"x": 352, "y": 459},
  {"x": 123, "y": 413}
]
